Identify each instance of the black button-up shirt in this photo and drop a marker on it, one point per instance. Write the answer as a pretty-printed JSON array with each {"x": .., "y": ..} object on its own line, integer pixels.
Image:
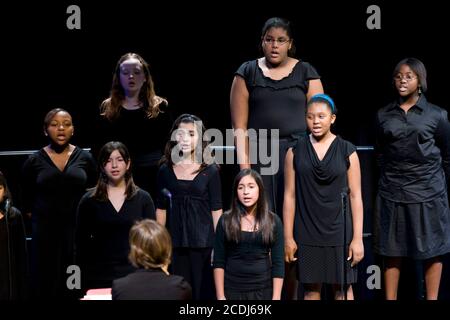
[{"x": 414, "y": 151}]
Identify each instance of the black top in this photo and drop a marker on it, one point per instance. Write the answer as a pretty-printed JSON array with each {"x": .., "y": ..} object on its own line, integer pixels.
[
  {"x": 249, "y": 264},
  {"x": 17, "y": 255},
  {"x": 277, "y": 104},
  {"x": 414, "y": 151},
  {"x": 52, "y": 197},
  {"x": 190, "y": 221},
  {"x": 319, "y": 189},
  {"x": 102, "y": 236},
  {"x": 151, "y": 284},
  {"x": 144, "y": 137}
]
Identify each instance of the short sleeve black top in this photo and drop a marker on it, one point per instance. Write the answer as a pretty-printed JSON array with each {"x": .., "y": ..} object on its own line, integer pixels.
[
  {"x": 277, "y": 104},
  {"x": 319, "y": 188},
  {"x": 189, "y": 221},
  {"x": 414, "y": 151}
]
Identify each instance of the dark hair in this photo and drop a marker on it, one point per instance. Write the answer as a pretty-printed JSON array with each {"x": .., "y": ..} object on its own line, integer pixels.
[
  {"x": 264, "y": 218},
  {"x": 417, "y": 67},
  {"x": 322, "y": 98},
  {"x": 276, "y": 22},
  {"x": 51, "y": 114},
  {"x": 199, "y": 154},
  {"x": 150, "y": 245},
  {"x": 7, "y": 193},
  {"x": 101, "y": 190},
  {"x": 110, "y": 107}
]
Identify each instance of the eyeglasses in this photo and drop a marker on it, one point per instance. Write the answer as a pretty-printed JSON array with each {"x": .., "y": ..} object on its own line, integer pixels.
[
  {"x": 280, "y": 41},
  {"x": 407, "y": 78}
]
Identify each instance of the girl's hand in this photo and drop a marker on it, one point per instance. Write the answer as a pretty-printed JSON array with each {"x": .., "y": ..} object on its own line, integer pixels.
[
  {"x": 355, "y": 251},
  {"x": 290, "y": 247}
]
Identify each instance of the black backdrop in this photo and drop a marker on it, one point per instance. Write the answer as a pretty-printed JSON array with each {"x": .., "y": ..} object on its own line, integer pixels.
[{"x": 194, "y": 47}]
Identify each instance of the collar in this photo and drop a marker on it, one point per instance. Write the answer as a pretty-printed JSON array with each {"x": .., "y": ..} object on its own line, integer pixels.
[{"x": 421, "y": 103}]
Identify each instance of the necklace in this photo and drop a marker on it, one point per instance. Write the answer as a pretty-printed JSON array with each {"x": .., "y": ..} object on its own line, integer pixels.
[{"x": 251, "y": 225}]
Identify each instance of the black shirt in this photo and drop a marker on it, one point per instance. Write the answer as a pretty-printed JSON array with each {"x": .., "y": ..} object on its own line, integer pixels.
[
  {"x": 320, "y": 185},
  {"x": 151, "y": 284},
  {"x": 144, "y": 137},
  {"x": 102, "y": 236},
  {"x": 277, "y": 104},
  {"x": 190, "y": 221},
  {"x": 414, "y": 151},
  {"x": 250, "y": 264}
]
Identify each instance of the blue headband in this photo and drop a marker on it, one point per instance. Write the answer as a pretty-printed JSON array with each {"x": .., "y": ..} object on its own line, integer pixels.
[{"x": 325, "y": 97}]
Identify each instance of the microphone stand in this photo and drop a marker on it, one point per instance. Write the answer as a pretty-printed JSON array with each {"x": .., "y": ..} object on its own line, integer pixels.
[
  {"x": 344, "y": 208},
  {"x": 8, "y": 243}
]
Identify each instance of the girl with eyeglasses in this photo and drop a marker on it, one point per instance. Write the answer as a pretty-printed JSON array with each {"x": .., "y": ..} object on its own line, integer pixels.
[
  {"x": 412, "y": 216},
  {"x": 271, "y": 92}
]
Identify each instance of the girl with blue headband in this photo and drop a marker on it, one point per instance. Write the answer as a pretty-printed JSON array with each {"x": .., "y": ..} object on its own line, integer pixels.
[{"x": 323, "y": 180}]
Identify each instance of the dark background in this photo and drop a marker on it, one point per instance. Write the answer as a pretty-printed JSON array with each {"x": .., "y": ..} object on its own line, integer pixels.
[{"x": 194, "y": 48}]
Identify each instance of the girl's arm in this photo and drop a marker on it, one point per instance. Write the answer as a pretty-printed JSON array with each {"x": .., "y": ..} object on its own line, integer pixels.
[
  {"x": 289, "y": 207},
  {"x": 315, "y": 87},
  {"x": 356, "y": 249},
  {"x": 161, "y": 216},
  {"x": 239, "y": 117},
  {"x": 219, "y": 275},
  {"x": 219, "y": 261},
  {"x": 277, "y": 255},
  {"x": 216, "y": 214}
]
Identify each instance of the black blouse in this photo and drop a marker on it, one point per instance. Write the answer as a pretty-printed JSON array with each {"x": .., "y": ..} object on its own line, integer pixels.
[
  {"x": 102, "y": 244},
  {"x": 320, "y": 186},
  {"x": 250, "y": 264},
  {"x": 414, "y": 151},
  {"x": 277, "y": 104},
  {"x": 144, "y": 137},
  {"x": 190, "y": 220}
]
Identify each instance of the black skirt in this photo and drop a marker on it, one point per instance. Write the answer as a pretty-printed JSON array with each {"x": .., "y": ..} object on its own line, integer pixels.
[
  {"x": 415, "y": 230},
  {"x": 317, "y": 264}
]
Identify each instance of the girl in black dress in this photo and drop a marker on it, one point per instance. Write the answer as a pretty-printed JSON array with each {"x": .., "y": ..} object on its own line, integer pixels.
[
  {"x": 322, "y": 174},
  {"x": 248, "y": 250},
  {"x": 54, "y": 180},
  {"x": 105, "y": 216},
  {"x": 412, "y": 216},
  {"x": 132, "y": 113},
  {"x": 193, "y": 190},
  {"x": 13, "y": 248}
]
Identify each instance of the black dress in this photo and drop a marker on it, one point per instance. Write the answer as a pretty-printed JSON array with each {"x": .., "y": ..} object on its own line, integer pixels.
[
  {"x": 103, "y": 237},
  {"x": 13, "y": 262},
  {"x": 52, "y": 197},
  {"x": 144, "y": 137},
  {"x": 276, "y": 104},
  {"x": 250, "y": 265},
  {"x": 412, "y": 215},
  {"x": 320, "y": 188},
  {"x": 190, "y": 224}
]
